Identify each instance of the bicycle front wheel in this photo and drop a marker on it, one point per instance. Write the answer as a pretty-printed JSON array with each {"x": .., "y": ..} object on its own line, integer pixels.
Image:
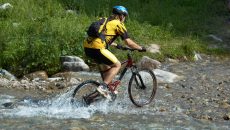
[
  {"x": 142, "y": 87},
  {"x": 86, "y": 93}
]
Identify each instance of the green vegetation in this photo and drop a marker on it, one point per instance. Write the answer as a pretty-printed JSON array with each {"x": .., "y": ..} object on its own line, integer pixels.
[{"x": 35, "y": 33}]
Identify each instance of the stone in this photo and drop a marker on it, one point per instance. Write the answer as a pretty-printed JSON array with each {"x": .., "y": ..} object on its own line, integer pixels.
[
  {"x": 153, "y": 48},
  {"x": 60, "y": 85},
  {"x": 7, "y": 75},
  {"x": 166, "y": 77},
  {"x": 73, "y": 63},
  {"x": 197, "y": 56},
  {"x": 74, "y": 81},
  {"x": 37, "y": 75},
  {"x": 225, "y": 105},
  {"x": 55, "y": 79},
  {"x": 172, "y": 60},
  {"x": 6, "y": 6},
  {"x": 70, "y": 11},
  {"x": 75, "y": 66},
  {"x": 8, "y": 105},
  {"x": 206, "y": 117},
  {"x": 148, "y": 63},
  {"x": 71, "y": 59},
  {"x": 4, "y": 82},
  {"x": 226, "y": 116},
  {"x": 15, "y": 84}
]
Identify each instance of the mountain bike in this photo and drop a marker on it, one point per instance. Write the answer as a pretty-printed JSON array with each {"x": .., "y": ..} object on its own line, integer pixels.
[{"x": 142, "y": 85}]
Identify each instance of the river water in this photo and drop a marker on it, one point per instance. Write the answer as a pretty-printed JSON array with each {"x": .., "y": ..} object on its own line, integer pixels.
[
  {"x": 176, "y": 106},
  {"x": 56, "y": 112}
]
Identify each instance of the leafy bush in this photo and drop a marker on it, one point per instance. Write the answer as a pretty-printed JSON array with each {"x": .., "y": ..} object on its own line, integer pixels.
[{"x": 35, "y": 33}]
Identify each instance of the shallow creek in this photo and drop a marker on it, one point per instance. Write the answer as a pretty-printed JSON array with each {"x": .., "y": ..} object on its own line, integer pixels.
[{"x": 170, "y": 109}]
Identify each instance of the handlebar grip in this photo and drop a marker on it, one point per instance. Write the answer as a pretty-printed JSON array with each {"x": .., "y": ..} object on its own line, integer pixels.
[{"x": 142, "y": 50}]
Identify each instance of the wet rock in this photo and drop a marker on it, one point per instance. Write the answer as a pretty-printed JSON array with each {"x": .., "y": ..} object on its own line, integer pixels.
[
  {"x": 7, "y": 75},
  {"x": 55, "y": 79},
  {"x": 74, "y": 81},
  {"x": 183, "y": 96},
  {"x": 162, "y": 109},
  {"x": 78, "y": 128},
  {"x": 224, "y": 104},
  {"x": 148, "y": 63},
  {"x": 167, "y": 86},
  {"x": 172, "y": 60},
  {"x": 179, "y": 121},
  {"x": 37, "y": 75},
  {"x": 9, "y": 105},
  {"x": 206, "y": 117},
  {"x": 75, "y": 66},
  {"x": 183, "y": 86},
  {"x": 64, "y": 75},
  {"x": 226, "y": 116},
  {"x": 73, "y": 63},
  {"x": 60, "y": 85},
  {"x": 153, "y": 48},
  {"x": 71, "y": 59},
  {"x": 15, "y": 84},
  {"x": 177, "y": 108},
  {"x": 166, "y": 77},
  {"x": 24, "y": 82},
  {"x": 97, "y": 118},
  {"x": 4, "y": 82}
]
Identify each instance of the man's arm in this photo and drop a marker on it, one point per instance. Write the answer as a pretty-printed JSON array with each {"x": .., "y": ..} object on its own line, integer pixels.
[{"x": 132, "y": 44}]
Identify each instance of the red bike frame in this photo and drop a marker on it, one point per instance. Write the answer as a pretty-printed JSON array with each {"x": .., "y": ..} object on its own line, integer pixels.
[{"x": 114, "y": 84}]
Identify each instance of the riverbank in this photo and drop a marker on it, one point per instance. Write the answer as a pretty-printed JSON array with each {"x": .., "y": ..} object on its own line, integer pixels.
[{"x": 202, "y": 94}]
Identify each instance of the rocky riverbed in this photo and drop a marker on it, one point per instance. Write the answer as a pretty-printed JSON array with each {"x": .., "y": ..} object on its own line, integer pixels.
[{"x": 203, "y": 93}]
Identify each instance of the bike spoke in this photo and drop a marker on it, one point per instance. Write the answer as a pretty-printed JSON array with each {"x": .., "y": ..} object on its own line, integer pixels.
[
  {"x": 86, "y": 92},
  {"x": 142, "y": 87}
]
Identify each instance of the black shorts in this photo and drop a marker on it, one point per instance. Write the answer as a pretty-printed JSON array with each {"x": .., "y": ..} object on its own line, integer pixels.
[{"x": 101, "y": 56}]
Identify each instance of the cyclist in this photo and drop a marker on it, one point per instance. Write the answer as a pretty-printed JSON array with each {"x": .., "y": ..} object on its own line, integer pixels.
[{"x": 97, "y": 49}]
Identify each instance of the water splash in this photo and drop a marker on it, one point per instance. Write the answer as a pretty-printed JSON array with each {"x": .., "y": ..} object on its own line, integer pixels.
[{"x": 61, "y": 107}]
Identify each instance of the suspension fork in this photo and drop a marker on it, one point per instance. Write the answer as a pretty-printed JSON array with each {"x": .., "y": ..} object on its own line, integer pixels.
[{"x": 137, "y": 75}]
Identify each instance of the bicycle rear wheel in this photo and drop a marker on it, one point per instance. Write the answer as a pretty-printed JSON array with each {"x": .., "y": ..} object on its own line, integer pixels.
[
  {"x": 142, "y": 87},
  {"x": 86, "y": 93}
]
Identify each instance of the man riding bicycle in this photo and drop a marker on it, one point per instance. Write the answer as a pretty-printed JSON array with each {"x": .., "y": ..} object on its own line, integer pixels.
[{"x": 97, "y": 49}]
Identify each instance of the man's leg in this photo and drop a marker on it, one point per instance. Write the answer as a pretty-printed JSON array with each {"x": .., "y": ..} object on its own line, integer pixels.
[{"x": 110, "y": 72}]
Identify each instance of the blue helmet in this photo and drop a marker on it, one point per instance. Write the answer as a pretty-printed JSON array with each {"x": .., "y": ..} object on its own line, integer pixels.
[{"x": 120, "y": 10}]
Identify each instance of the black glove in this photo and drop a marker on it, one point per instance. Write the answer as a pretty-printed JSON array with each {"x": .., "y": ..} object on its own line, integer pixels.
[
  {"x": 143, "y": 49},
  {"x": 119, "y": 46}
]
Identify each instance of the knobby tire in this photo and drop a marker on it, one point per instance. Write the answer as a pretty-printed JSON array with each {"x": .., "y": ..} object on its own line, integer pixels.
[
  {"x": 142, "y": 87},
  {"x": 85, "y": 93}
]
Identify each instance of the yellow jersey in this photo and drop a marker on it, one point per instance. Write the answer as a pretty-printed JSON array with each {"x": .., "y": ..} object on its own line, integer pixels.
[{"x": 114, "y": 28}]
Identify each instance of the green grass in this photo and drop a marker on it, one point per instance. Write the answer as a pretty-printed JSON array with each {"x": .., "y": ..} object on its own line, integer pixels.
[{"x": 35, "y": 33}]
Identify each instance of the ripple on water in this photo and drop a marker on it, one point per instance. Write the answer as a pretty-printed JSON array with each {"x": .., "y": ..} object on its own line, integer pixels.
[{"x": 119, "y": 114}]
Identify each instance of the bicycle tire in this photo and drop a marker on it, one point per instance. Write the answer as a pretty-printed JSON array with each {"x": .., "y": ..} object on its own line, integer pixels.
[
  {"x": 83, "y": 90},
  {"x": 141, "y": 95}
]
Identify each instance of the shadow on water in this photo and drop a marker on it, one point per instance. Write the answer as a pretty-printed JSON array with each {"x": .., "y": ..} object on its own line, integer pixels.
[{"x": 59, "y": 113}]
